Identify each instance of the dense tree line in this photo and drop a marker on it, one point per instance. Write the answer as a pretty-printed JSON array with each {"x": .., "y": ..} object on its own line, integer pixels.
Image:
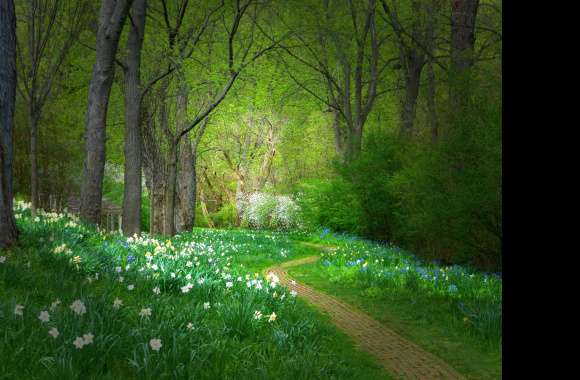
[{"x": 382, "y": 117}]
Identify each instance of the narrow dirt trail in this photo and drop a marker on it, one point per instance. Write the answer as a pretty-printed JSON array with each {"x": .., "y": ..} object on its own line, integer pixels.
[{"x": 396, "y": 354}]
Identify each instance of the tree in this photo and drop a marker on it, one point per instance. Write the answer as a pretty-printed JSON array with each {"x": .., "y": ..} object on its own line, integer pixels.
[
  {"x": 346, "y": 61},
  {"x": 52, "y": 28},
  {"x": 111, "y": 20},
  {"x": 133, "y": 140},
  {"x": 8, "y": 229},
  {"x": 463, "y": 15}
]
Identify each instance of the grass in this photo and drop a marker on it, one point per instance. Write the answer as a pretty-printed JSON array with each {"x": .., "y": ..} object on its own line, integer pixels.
[
  {"x": 203, "y": 314},
  {"x": 456, "y": 315}
]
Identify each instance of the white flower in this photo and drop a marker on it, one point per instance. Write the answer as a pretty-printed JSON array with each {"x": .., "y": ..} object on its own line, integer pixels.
[
  {"x": 188, "y": 277},
  {"x": 186, "y": 288},
  {"x": 206, "y": 305},
  {"x": 54, "y": 304},
  {"x": 18, "y": 310},
  {"x": 44, "y": 316},
  {"x": 119, "y": 269},
  {"x": 121, "y": 278},
  {"x": 2, "y": 259},
  {"x": 189, "y": 264},
  {"x": 190, "y": 326},
  {"x": 145, "y": 312},
  {"x": 172, "y": 275},
  {"x": 201, "y": 281},
  {"x": 88, "y": 338},
  {"x": 154, "y": 267},
  {"x": 294, "y": 293},
  {"x": 229, "y": 284},
  {"x": 272, "y": 317},
  {"x": 156, "y": 290},
  {"x": 257, "y": 314},
  {"x": 53, "y": 332},
  {"x": 79, "y": 342},
  {"x": 131, "y": 287},
  {"x": 155, "y": 344},
  {"x": 293, "y": 282},
  {"x": 117, "y": 303},
  {"x": 78, "y": 307}
]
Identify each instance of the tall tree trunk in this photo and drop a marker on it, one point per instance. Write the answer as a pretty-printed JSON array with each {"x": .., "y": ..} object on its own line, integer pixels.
[
  {"x": 133, "y": 142},
  {"x": 111, "y": 20},
  {"x": 8, "y": 230},
  {"x": 185, "y": 180},
  {"x": 409, "y": 108},
  {"x": 463, "y": 15},
  {"x": 34, "y": 196},
  {"x": 186, "y": 186},
  {"x": 170, "y": 189},
  {"x": 431, "y": 90}
]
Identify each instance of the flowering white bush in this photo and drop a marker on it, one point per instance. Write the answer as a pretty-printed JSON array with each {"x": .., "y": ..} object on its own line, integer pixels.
[{"x": 267, "y": 211}]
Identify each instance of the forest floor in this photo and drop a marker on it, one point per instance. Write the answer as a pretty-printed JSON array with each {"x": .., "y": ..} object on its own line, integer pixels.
[
  {"x": 396, "y": 354},
  {"x": 207, "y": 297}
]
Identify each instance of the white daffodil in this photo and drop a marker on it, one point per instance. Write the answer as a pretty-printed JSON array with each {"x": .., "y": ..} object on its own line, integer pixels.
[
  {"x": 88, "y": 338},
  {"x": 155, "y": 344},
  {"x": 18, "y": 310},
  {"x": 145, "y": 312},
  {"x": 78, "y": 307},
  {"x": 79, "y": 342},
  {"x": 117, "y": 303},
  {"x": 44, "y": 316},
  {"x": 272, "y": 317},
  {"x": 53, "y": 332}
]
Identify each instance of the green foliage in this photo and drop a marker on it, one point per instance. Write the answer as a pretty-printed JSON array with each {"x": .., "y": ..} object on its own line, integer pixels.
[
  {"x": 331, "y": 204},
  {"x": 226, "y": 216},
  {"x": 219, "y": 341},
  {"x": 450, "y": 194}
]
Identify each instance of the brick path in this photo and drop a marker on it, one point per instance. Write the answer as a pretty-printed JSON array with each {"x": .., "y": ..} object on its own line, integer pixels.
[{"x": 397, "y": 355}]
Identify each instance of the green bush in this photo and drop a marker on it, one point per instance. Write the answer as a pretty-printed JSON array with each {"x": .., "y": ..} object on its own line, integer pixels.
[
  {"x": 330, "y": 204},
  {"x": 226, "y": 216}
]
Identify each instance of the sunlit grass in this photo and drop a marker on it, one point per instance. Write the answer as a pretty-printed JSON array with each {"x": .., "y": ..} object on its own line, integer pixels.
[{"x": 152, "y": 309}]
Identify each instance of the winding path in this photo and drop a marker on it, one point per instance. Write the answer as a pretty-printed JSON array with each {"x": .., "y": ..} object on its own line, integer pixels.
[{"x": 396, "y": 354}]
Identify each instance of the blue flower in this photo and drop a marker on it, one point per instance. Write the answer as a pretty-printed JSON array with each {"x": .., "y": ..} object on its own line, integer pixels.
[
  {"x": 130, "y": 258},
  {"x": 452, "y": 288},
  {"x": 326, "y": 263}
]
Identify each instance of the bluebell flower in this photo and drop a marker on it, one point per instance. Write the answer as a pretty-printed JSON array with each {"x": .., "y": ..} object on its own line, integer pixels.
[
  {"x": 326, "y": 263},
  {"x": 130, "y": 258}
]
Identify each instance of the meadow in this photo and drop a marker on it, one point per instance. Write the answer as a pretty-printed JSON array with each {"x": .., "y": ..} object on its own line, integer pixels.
[
  {"x": 76, "y": 302},
  {"x": 453, "y": 311}
]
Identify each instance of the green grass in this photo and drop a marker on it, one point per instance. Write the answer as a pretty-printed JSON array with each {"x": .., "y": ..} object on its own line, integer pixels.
[
  {"x": 222, "y": 342},
  {"x": 417, "y": 311}
]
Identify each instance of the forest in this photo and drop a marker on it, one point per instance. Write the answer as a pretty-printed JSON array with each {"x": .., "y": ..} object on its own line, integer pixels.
[{"x": 245, "y": 159}]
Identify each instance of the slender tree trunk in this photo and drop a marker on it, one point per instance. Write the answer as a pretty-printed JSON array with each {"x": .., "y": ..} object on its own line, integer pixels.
[
  {"x": 8, "y": 230},
  {"x": 133, "y": 141},
  {"x": 111, "y": 20},
  {"x": 186, "y": 172},
  {"x": 409, "y": 108},
  {"x": 431, "y": 85},
  {"x": 463, "y": 15},
  {"x": 204, "y": 209},
  {"x": 34, "y": 196},
  {"x": 170, "y": 189}
]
